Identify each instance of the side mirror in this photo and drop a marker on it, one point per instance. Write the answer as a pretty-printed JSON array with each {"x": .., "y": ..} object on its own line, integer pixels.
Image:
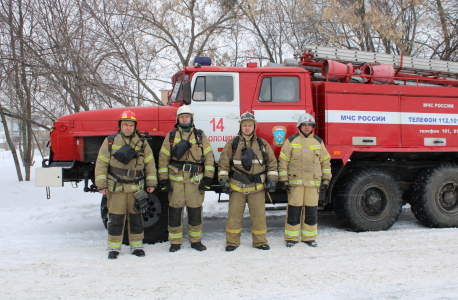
[{"x": 187, "y": 92}]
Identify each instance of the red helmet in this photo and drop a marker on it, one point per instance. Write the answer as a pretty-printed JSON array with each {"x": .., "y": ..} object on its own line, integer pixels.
[{"x": 128, "y": 116}]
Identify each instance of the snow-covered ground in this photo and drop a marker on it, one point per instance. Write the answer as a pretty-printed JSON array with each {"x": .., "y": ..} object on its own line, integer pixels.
[{"x": 56, "y": 249}]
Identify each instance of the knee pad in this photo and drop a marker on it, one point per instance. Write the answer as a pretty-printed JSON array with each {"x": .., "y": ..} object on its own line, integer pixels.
[
  {"x": 136, "y": 223},
  {"x": 115, "y": 224},
  {"x": 294, "y": 215},
  {"x": 195, "y": 216},
  {"x": 175, "y": 216},
  {"x": 310, "y": 216}
]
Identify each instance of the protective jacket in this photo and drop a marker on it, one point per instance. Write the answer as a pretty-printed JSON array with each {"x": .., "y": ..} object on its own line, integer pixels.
[
  {"x": 197, "y": 161},
  {"x": 230, "y": 165},
  {"x": 110, "y": 173},
  {"x": 304, "y": 161}
]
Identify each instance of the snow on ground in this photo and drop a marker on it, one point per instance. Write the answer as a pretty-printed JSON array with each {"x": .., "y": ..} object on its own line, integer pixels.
[{"x": 56, "y": 249}]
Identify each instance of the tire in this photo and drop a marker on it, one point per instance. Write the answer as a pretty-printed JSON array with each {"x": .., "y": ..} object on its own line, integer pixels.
[
  {"x": 154, "y": 221},
  {"x": 368, "y": 200},
  {"x": 435, "y": 196}
]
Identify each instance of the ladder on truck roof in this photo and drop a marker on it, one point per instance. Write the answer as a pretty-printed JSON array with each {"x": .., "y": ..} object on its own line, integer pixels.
[{"x": 407, "y": 64}]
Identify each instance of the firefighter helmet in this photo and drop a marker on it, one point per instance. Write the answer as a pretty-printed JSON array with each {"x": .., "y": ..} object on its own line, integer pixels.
[
  {"x": 128, "y": 116},
  {"x": 306, "y": 119},
  {"x": 247, "y": 116},
  {"x": 185, "y": 109}
]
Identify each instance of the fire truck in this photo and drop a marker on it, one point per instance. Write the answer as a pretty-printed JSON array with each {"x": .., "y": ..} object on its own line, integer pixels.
[{"x": 389, "y": 122}]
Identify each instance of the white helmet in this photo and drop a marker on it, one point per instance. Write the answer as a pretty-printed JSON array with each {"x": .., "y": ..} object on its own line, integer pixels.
[
  {"x": 185, "y": 109},
  {"x": 306, "y": 119}
]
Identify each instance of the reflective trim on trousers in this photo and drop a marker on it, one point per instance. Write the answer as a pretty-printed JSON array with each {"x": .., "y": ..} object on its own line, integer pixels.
[
  {"x": 292, "y": 233},
  {"x": 259, "y": 231},
  {"x": 175, "y": 235},
  {"x": 113, "y": 245},
  {"x": 309, "y": 233},
  {"x": 233, "y": 230},
  {"x": 195, "y": 233},
  {"x": 136, "y": 244}
]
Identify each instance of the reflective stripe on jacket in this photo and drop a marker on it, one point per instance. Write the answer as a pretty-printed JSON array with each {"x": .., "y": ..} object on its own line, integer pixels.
[
  {"x": 193, "y": 154},
  {"x": 144, "y": 162},
  {"x": 258, "y": 163},
  {"x": 304, "y": 161}
]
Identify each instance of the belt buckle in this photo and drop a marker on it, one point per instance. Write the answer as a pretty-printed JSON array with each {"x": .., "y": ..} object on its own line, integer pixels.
[
  {"x": 184, "y": 167},
  {"x": 131, "y": 173}
]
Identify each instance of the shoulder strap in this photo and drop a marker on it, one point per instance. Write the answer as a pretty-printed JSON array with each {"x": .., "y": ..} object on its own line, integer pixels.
[
  {"x": 110, "y": 139},
  {"x": 291, "y": 138},
  {"x": 262, "y": 147},
  {"x": 172, "y": 134},
  {"x": 235, "y": 144},
  {"x": 317, "y": 138}
]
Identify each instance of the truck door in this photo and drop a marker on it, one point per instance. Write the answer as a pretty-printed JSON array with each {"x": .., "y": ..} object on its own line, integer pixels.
[
  {"x": 216, "y": 106},
  {"x": 278, "y": 106}
]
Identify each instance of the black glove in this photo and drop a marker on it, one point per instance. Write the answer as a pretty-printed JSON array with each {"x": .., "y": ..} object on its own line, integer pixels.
[
  {"x": 205, "y": 184},
  {"x": 271, "y": 185},
  {"x": 324, "y": 185},
  {"x": 141, "y": 203},
  {"x": 165, "y": 186},
  {"x": 141, "y": 206},
  {"x": 285, "y": 186},
  {"x": 225, "y": 188}
]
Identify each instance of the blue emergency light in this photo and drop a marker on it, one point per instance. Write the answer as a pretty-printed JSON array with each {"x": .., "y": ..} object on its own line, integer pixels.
[{"x": 203, "y": 61}]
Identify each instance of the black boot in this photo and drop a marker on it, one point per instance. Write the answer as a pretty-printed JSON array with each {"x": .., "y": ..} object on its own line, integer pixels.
[
  {"x": 198, "y": 246},
  {"x": 311, "y": 243},
  {"x": 174, "y": 247},
  {"x": 263, "y": 247},
  {"x": 138, "y": 252},
  {"x": 290, "y": 244},
  {"x": 230, "y": 248},
  {"x": 113, "y": 254}
]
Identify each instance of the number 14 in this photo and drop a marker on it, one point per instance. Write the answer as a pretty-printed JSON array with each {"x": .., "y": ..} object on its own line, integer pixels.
[{"x": 217, "y": 126}]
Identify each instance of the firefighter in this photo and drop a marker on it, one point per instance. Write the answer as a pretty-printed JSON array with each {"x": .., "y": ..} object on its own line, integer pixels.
[
  {"x": 186, "y": 169},
  {"x": 244, "y": 164},
  {"x": 124, "y": 163},
  {"x": 304, "y": 168}
]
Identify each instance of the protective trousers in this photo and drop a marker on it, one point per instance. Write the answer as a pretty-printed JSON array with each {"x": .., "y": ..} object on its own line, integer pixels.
[
  {"x": 185, "y": 194},
  {"x": 120, "y": 206},
  {"x": 301, "y": 216},
  {"x": 256, "y": 206}
]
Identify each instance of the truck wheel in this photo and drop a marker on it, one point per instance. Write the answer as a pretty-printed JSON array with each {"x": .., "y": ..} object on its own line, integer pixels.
[
  {"x": 369, "y": 200},
  {"x": 154, "y": 221},
  {"x": 435, "y": 200}
]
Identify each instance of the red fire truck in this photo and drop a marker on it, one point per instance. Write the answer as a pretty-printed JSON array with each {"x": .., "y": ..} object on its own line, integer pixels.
[{"x": 390, "y": 124}]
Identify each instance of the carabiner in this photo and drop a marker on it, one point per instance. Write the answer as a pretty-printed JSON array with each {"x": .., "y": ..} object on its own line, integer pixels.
[{"x": 243, "y": 189}]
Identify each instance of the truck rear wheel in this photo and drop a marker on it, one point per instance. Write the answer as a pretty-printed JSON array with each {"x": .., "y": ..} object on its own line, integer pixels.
[
  {"x": 435, "y": 200},
  {"x": 369, "y": 200},
  {"x": 154, "y": 221}
]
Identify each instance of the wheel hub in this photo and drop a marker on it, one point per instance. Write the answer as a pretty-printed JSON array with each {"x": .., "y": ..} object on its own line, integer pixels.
[
  {"x": 448, "y": 196},
  {"x": 373, "y": 202}
]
